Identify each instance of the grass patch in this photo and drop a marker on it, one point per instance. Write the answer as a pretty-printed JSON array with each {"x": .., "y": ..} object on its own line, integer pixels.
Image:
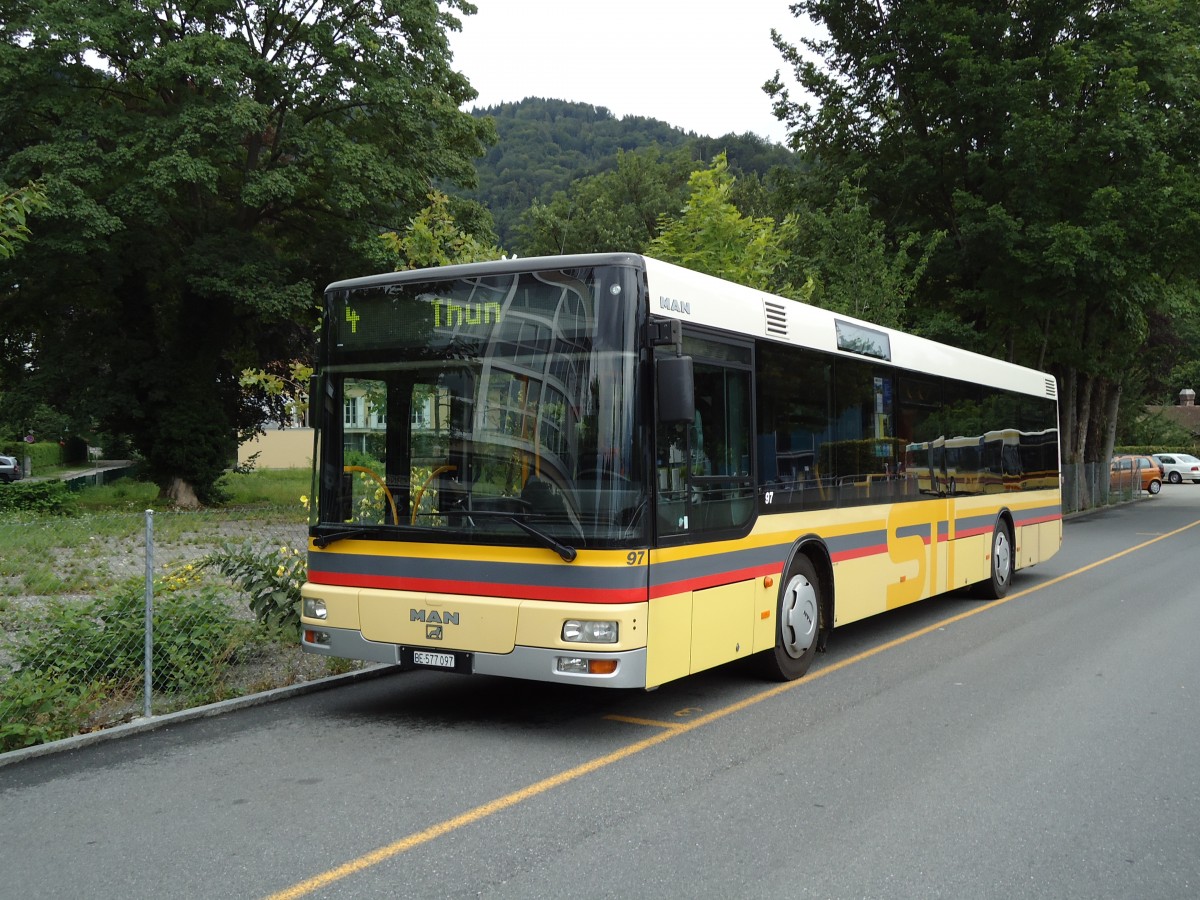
[
  {"x": 279, "y": 489},
  {"x": 268, "y": 487},
  {"x": 125, "y": 495}
]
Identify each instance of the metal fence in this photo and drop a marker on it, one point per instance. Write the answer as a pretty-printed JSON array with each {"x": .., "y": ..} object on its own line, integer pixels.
[
  {"x": 105, "y": 618},
  {"x": 1093, "y": 485}
]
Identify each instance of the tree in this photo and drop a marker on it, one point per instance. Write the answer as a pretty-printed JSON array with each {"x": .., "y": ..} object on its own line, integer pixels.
[
  {"x": 854, "y": 270},
  {"x": 207, "y": 169},
  {"x": 616, "y": 210},
  {"x": 711, "y": 236},
  {"x": 1055, "y": 143},
  {"x": 434, "y": 238}
]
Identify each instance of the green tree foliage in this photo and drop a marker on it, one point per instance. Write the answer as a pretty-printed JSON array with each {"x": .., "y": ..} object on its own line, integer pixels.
[
  {"x": 615, "y": 210},
  {"x": 711, "y": 235},
  {"x": 434, "y": 238},
  {"x": 855, "y": 271},
  {"x": 207, "y": 170},
  {"x": 15, "y": 207},
  {"x": 1055, "y": 143}
]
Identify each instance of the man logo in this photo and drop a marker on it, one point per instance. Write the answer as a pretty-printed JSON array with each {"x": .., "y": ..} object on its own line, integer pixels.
[
  {"x": 679, "y": 306},
  {"x": 433, "y": 632},
  {"x": 433, "y": 616}
]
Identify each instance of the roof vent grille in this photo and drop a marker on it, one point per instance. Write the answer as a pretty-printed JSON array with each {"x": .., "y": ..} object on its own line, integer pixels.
[
  {"x": 776, "y": 314},
  {"x": 1051, "y": 388}
]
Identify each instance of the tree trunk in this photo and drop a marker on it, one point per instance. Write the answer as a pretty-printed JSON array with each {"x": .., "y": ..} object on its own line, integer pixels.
[
  {"x": 1112, "y": 406},
  {"x": 181, "y": 494},
  {"x": 1068, "y": 388},
  {"x": 1083, "y": 416}
]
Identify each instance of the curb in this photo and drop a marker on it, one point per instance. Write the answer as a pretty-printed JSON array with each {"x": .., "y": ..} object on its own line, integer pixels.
[{"x": 143, "y": 725}]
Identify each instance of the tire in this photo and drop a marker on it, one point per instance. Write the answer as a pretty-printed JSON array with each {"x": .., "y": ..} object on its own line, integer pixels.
[
  {"x": 1174, "y": 478},
  {"x": 1154, "y": 487},
  {"x": 797, "y": 623},
  {"x": 1002, "y": 563}
]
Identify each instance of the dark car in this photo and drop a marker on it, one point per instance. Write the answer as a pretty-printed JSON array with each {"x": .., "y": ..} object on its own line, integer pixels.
[{"x": 10, "y": 469}]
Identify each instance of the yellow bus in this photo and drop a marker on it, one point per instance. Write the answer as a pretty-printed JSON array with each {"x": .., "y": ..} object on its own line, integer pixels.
[{"x": 608, "y": 470}]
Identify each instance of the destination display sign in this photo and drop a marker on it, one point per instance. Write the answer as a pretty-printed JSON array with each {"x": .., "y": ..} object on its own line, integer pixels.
[{"x": 376, "y": 319}]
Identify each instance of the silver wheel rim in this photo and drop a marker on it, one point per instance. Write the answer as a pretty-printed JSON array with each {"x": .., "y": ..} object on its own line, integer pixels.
[
  {"x": 1002, "y": 556},
  {"x": 798, "y": 617}
]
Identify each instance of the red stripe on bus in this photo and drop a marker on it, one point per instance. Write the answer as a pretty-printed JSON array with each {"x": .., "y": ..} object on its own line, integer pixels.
[
  {"x": 859, "y": 552},
  {"x": 714, "y": 580},
  {"x": 1039, "y": 520}
]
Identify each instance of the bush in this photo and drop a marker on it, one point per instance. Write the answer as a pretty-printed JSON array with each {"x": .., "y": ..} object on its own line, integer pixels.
[
  {"x": 44, "y": 455},
  {"x": 38, "y": 709},
  {"x": 103, "y": 641},
  {"x": 37, "y": 496}
]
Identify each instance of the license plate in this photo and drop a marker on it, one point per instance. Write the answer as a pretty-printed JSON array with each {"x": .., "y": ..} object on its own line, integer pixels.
[{"x": 440, "y": 660}]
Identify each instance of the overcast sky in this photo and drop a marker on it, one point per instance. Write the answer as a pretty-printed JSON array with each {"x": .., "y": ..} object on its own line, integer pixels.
[{"x": 696, "y": 64}]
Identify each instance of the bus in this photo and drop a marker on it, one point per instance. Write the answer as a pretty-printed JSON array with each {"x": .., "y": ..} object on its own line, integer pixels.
[{"x": 608, "y": 470}]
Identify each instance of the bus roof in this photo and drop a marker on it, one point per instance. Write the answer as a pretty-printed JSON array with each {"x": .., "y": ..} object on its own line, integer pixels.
[{"x": 677, "y": 292}]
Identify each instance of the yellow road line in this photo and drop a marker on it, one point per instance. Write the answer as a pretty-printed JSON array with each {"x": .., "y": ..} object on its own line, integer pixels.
[
  {"x": 634, "y": 720},
  {"x": 670, "y": 730}
]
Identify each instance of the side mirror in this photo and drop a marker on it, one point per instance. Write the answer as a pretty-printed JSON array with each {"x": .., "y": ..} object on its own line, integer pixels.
[{"x": 676, "y": 391}]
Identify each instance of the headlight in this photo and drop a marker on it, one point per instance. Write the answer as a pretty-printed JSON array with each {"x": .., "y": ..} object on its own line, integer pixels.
[
  {"x": 314, "y": 608},
  {"x": 583, "y": 632}
]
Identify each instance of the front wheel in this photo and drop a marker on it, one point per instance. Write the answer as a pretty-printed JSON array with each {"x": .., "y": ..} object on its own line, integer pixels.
[
  {"x": 1002, "y": 563},
  {"x": 1174, "y": 478},
  {"x": 797, "y": 623}
]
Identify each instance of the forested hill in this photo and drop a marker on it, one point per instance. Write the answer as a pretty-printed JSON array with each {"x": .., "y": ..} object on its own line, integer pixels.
[{"x": 545, "y": 144}]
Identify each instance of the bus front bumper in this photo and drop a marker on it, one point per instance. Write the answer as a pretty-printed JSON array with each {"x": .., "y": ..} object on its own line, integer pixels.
[{"x": 532, "y": 663}]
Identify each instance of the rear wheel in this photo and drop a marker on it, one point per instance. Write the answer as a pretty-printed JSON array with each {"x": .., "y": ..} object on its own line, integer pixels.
[
  {"x": 1002, "y": 563},
  {"x": 1155, "y": 486},
  {"x": 797, "y": 623}
]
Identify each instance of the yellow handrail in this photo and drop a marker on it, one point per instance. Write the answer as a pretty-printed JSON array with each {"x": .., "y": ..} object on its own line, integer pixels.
[
  {"x": 391, "y": 500},
  {"x": 421, "y": 491}
]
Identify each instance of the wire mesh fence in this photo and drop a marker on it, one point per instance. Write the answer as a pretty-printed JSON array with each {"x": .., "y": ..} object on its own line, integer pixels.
[{"x": 104, "y": 618}]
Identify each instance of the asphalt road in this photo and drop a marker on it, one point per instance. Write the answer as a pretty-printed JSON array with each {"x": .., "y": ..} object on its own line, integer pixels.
[{"x": 1041, "y": 746}]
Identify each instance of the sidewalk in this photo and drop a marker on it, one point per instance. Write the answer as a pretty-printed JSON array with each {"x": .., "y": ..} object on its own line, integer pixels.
[{"x": 97, "y": 473}]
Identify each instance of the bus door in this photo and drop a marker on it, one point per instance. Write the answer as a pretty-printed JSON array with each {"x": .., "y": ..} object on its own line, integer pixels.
[{"x": 704, "y": 467}]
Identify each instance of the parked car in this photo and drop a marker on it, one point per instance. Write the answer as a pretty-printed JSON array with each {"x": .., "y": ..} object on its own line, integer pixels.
[
  {"x": 10, "y": 469},
  {"x": 1179, "y": 467},
  {"x": 1135, "y": 472}
]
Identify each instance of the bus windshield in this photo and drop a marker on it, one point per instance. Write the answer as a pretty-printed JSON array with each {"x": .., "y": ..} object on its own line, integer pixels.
[{"x": 490, "y": 409}]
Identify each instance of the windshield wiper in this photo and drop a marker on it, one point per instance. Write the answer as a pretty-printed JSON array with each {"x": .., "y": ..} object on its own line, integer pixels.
[
  {"x": 567, "y": 552},
  {"x": 324, "y": 540}
]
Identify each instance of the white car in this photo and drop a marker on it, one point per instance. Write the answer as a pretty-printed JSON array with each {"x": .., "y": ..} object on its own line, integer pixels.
[
  {"x": 1179, "y": 467},
  {"x": 10, "y": 468}
]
